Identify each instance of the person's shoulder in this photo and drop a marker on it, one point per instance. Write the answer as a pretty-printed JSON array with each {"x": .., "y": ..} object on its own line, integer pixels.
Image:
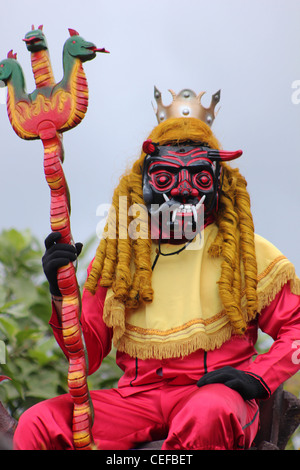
[
  {"x": 266, "y": 252},
  {"x": 274, "y": 270}
]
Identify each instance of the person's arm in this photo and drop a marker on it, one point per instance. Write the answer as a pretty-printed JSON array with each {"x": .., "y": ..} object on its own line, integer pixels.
[
  {"x": 281, "y": 320},
  {"x": 57, "y": 306},
  {"x": 97, "y": 336}
]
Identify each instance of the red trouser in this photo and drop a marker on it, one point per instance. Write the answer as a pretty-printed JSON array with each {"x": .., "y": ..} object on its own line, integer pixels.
[{"x": 212, "y": 417}]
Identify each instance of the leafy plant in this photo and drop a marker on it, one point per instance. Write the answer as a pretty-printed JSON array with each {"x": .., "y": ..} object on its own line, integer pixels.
[{"x": 34, "y": 362}]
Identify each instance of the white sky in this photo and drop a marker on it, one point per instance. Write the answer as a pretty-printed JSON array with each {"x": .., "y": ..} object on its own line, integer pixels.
[{"x": 248, "y": 48}]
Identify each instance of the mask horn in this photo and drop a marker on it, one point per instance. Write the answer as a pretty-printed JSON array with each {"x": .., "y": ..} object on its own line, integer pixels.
[
  {"x": 150, "y": 148},
  {"x": 224, "y": 155}
]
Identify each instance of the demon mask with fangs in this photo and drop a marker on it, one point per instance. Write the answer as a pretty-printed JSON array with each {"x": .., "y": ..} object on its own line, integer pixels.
[{"x": 181, "y": 187}]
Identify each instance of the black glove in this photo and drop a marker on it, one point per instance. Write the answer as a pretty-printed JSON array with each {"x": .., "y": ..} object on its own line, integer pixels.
[
  {"x": 247, "y": 385},
  {"x": 56, "y": 256}
]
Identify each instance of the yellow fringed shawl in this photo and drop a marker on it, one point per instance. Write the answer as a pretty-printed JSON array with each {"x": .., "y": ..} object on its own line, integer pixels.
[{"x": 187, "y": 313}]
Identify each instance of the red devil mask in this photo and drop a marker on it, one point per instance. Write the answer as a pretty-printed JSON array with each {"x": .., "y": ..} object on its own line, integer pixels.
[{"x": 179, "y": 181}]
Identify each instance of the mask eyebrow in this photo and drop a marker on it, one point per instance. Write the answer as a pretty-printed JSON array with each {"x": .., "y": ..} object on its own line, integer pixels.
[
  {"x": 191, "y": 165},
  {"x": 164, "y": 164}
]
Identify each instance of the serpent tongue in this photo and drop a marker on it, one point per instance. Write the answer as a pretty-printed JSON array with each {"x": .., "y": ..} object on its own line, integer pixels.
[
  {"x": 31, "y": 40},
  {"x": 95, "y": 49}
]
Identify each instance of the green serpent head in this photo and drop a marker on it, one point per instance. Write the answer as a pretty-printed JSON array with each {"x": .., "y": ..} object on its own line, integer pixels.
[
  {"x": 35, "y": 40},
  {"x": 77, "y": 47},
  {"x": 7, "y": 66}
]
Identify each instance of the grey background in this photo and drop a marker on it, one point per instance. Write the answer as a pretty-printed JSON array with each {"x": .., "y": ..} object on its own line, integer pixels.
[{"x": 248, "y": 48}]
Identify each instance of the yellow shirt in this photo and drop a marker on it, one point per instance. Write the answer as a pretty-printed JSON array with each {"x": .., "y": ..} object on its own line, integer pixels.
[{"x": 187, "y": 313}]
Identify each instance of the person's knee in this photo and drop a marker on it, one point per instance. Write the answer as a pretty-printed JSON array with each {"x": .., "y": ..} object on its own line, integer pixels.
[
  {"x": 217, "y": 400},
  {"x": 207, "y": 421},
  {"x": 45, "y": 425}
]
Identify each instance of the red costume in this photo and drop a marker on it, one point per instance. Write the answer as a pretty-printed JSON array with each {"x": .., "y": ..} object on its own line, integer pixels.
[
  {"x": 157, "y": 398},
  {"x": 184, "y": 326}
]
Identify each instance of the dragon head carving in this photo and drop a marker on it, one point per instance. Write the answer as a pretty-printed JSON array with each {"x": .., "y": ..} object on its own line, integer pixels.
[
  {"x": 78, "y": 47},
  {"x": 35, "y": 40}
]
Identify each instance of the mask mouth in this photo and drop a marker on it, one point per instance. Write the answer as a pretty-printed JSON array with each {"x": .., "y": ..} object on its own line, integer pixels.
[
  {"x": 176, "y": 207},
  {"x": 174, "y": 219},
  {"x": 187, "y": 210}
]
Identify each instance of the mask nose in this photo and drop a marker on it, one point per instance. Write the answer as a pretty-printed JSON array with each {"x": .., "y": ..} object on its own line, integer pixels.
[{"x": 184, "y": 188}]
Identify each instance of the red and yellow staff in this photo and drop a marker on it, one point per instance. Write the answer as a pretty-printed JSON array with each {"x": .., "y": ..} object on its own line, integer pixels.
[{"x": 50, "y": 110}]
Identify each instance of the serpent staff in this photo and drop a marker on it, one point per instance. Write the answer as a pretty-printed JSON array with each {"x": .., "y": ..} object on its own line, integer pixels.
[{"x": 47, "y": 112}]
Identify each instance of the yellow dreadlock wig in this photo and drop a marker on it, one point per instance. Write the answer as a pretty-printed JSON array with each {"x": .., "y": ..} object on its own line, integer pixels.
[{"x": 124, "y": 264}]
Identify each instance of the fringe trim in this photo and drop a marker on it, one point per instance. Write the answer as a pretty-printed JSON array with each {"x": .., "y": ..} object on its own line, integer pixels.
[
  {"x": 286, "y": 274},
  {"x": 295, "y": 285},
  {"x": 172, "y": 349},
  {"x": 114, "y": 316}
]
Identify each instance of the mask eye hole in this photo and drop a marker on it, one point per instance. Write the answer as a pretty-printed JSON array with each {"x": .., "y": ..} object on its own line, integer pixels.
[
  {"x": 203, "y": 180},
  {"x": 162, "y": 180}
]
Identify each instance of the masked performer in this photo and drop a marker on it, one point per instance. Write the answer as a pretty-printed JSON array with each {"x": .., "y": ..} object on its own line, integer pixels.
[{"x": 181, "y": 297}]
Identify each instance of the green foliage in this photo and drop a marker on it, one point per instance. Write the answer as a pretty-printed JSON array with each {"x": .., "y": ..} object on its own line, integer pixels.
[{"x": 34, "y": 362}]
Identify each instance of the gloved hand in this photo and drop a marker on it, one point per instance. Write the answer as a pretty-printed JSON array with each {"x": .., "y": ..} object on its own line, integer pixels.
[
  {"x": 247, "y": 385},
  {"x": 56, "y": 256}
]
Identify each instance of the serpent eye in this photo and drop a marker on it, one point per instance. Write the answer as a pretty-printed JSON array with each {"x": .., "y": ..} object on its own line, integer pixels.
[
  {"x": 203, "y": 180},
  {"x": 162, "y": 180}
]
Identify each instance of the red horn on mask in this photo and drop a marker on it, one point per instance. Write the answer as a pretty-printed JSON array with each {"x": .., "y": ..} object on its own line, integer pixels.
[{"x": 224, "y": 155}]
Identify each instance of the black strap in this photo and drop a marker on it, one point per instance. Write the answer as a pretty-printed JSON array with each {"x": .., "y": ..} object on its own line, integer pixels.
[{"x": 168, "y": 254}]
